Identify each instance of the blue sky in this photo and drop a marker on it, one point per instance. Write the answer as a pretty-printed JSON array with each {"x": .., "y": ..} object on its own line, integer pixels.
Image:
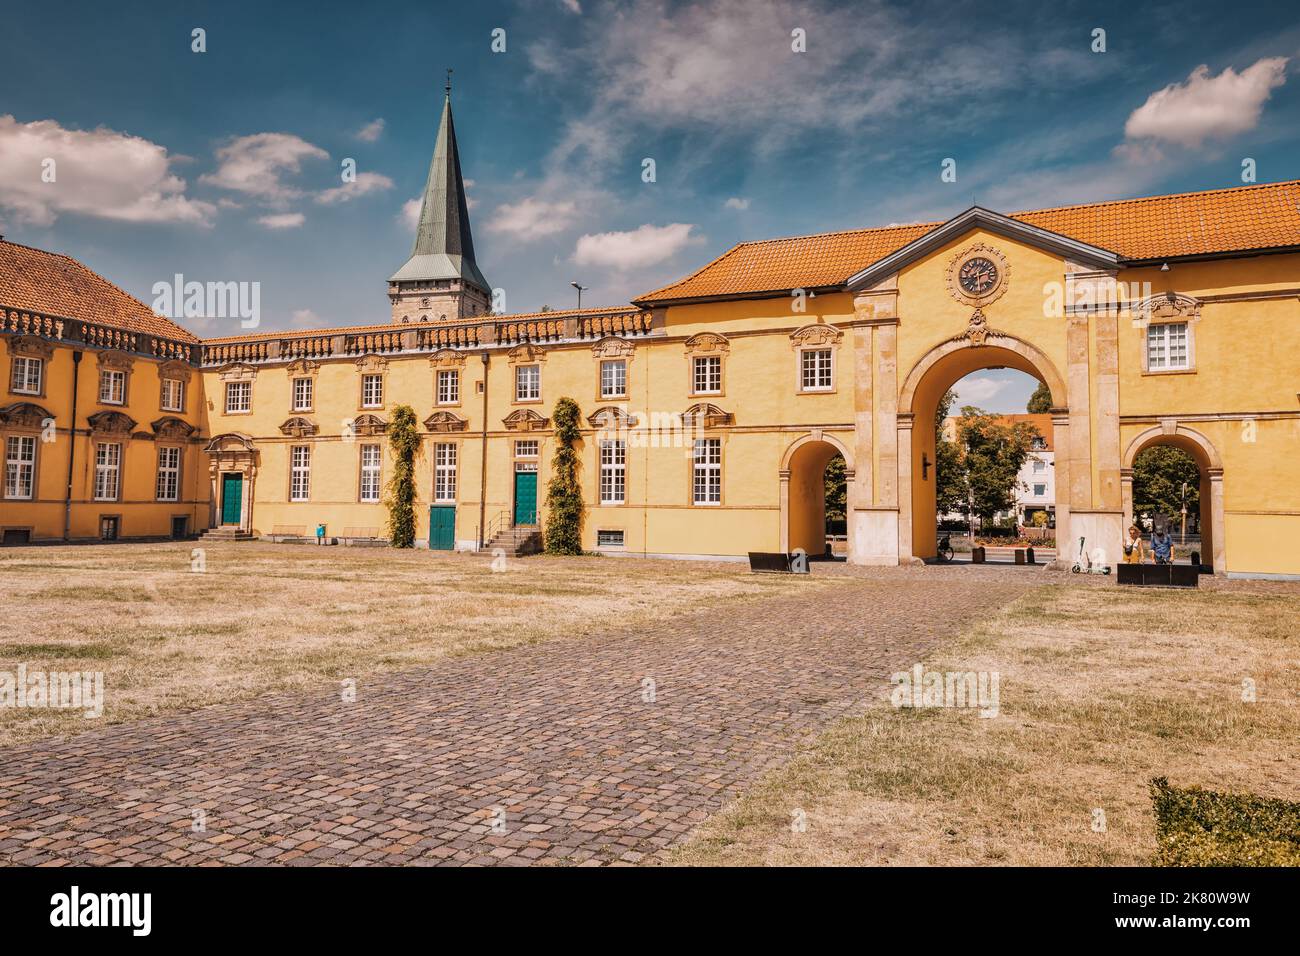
[{"x": 225, "y": 165}]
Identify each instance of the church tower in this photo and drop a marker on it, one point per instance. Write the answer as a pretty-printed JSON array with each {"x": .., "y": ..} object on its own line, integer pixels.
[{"x": 441, "y": 282}]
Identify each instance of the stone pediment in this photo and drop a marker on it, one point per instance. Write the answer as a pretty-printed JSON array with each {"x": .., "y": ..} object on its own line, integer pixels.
[
  {"x": 706, "y": 415},
  {"x": 445, "y": 422},
  {"x": 25, "y": 415},
  {"x": 114, "y": 423},
  {"x": 299, "y": 427},
  {"x": 171, "y": 427},
  {"x": 613, "y": 347},
  {"x": 816, "y": 334},
  {"x": 611, "y": 416},
  {"x": 367, "y": 425},
  {"x": 525, "y": 420}
]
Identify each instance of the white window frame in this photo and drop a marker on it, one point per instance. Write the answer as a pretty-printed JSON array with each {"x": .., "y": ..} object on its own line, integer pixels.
[
  {"x": 304, "y": 394},
  {"x": 528, "y": 383},
  {"x": 613, "y": 378},
  {"x": 817, "y": 369},
  {"x": 168, "y": 485},
  {"x": 372, "y": 463},
  {"x": 20, "y": 466},
  {"x": 1040, "y": 493},
  {"x": 235, "y": 405},
  {"x": 108, "y": 470},
  {"x": 448, "y": 386},
  {"x": 620, "y": 543},
  {"x": 300, "y": 472},
  {"x": 27, "y": 375},
  {"x": 372, "y": 390},
  {"x": 706, "y": 374},
  {"x": 1159, "y": 344},
  {"x": 444, "y": 472},
  {"x": 112, "y": 386},
  {"x": 613, "y": 471},
  {"x": 706, "y": 472},
  {"x": 172, "y": 398},
  {"x": 527, "y": 448}
]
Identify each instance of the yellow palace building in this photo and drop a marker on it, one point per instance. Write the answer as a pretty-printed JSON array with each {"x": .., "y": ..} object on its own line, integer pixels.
[{"x": 710, "y": 406}]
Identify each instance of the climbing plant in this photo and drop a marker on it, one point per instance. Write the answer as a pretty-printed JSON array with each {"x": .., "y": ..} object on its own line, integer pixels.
[
  {"x": 404, "y": 440},
  {"x": 564, "y": 491}
]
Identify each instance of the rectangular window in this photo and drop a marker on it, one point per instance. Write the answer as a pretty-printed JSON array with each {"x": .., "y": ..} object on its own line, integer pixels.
[
  {"x": 707, "y": 379},
  {"x": 1167, "y": 346},
  {"x": 613, "y": 472},
  {"x": 169, "y": 474},
  {"x": 372, "y": 391},
  {"x": 370, "y": 459},
  {"x": 613, "y": 379},
  {"x": 526, "y": 448},
  {"x": 1040, "y": 490},
  {"x": 303, "y": 394},
  {"x": 815, "y": 370},
  {"x": 108, "y": 470},
  {"x": 444, "y": 475},
  {"x": 1039, "y": 465},
  {"x": 528, "y": 383},
  {"x": 609, "y": 539},
  {"x": 173, "y": 395},
  {"x": 239, "y": 397},
  {"x": 708, "y": 471},
  {"x": 112, "y": 386},
  {"x": 299, "y": 472},
  {"x": 25, "y": 377},
  {"x": 20, "y": 466},
  {"x": 448, "y": 386}
]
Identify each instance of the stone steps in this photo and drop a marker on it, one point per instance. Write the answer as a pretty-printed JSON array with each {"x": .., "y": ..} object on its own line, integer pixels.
[{"x": 517, "y": 541}]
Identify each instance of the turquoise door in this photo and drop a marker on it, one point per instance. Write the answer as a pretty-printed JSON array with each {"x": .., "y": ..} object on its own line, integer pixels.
[
  {"x": 232, "y": 498},
  {"x": 442, "y": 527},
  {"x": 525, "y": 497}
]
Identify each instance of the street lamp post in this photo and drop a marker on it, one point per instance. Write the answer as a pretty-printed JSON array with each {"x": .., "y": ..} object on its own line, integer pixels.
[{"x": 581, "y": 289}]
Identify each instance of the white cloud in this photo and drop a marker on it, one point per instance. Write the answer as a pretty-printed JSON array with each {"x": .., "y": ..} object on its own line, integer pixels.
[
  {"x": 643, "y": 246},
  {"x": 283, "y": 220},
  {"x": 99, "y": 172},
  {"x": 410, "y": 214},
  {"x": 573, "y": 6},
  {"x": 1207, "y": 107},
  {"x": 532, "y": 218},
  {"x": 364, "y": 183},
  {"x": 371, "y": 131},
  {"x": 305, "y": 319},
  {"x": 977, "y": 389},
  {"x": 735, "y": 202},
  {"x": 255, "y": 164}
]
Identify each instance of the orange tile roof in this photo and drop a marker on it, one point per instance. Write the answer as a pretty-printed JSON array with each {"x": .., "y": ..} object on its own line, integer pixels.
[
  {"x": 34, "y": 280},
  {"x": 409, "y": 326},
  {"x": 1240, "y": 219}
]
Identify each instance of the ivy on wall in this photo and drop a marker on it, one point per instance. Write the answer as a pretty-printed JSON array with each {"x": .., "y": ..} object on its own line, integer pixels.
[
  {"x": 564, "y": 491},
  {"x": 404, "y": 440}
]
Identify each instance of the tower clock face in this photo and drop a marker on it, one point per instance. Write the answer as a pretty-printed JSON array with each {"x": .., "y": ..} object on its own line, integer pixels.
[{"x": 978, "y": 275}]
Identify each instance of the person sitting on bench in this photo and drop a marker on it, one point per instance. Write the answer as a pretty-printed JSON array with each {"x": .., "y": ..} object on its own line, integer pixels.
[{"x": 1162, "y": 546}]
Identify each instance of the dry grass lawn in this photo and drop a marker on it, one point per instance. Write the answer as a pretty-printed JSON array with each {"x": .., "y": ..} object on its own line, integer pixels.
[
  {"x": 265, "y": 617},
  {"x": 1101, "y": 690}
]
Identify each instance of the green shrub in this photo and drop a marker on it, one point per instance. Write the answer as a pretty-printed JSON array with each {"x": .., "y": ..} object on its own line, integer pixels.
[
  {"x": 564, "y": 491},
  {"x": 404, "y": 439},
  {"x": 1196, "y": 827}
]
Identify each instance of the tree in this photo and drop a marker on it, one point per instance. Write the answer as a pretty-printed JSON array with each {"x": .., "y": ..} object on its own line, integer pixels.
[
  {"x": 564, "y": 491},
  {"x": 404, "y": 440},
  {"x": 949, "y": 475},
  {"x": 1158, "y": 476},
  {"x": 1040, "y": 401},
  {"x": 837, "y": 490},
  {"x": 995, "y": 453}
]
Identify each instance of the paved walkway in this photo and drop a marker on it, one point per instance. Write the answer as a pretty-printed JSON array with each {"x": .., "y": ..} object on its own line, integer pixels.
[{"x": 542, "y": 754}]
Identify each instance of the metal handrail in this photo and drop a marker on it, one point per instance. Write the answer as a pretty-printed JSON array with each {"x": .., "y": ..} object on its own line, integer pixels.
[{"x": 501, "y": 522}]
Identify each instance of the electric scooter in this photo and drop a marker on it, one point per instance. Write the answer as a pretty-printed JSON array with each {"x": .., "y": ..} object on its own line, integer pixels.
[{"x": 1083, "y": 563}]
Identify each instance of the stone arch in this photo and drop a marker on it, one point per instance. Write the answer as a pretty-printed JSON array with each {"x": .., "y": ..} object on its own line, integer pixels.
[
  {"x": 1031, "y": 360},
  {"x": 1210, "y": 463},
  {"x": 802, "y": 492}
]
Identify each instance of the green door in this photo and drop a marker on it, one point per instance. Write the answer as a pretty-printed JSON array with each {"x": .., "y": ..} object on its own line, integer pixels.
[
  {"x": 232, "y": 498},
  {"x": 442, "y": 527},
  {"x": 525, "y": 497}
]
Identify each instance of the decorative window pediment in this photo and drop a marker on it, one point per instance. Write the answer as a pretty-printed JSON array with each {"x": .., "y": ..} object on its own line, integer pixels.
[
  {"x": 302, "y": 368},
  {"x": 24, "y": 415},
  {"x": 299, "y": 427},
  {"x": 181, "y": 371},
  {"x": 447, "y": 358},
  {"x": 237, "y": 372},
  {"x": 816, "y": 334},
  {"x": 526, "y": 353},
  {"x": 612, "y": 417},
  {"x": 171, "y": 427},
  {"x": 445, "y": 422},
  {"x": 115, "y": 423},
  {"x": 230, "y": 443},
  {"x": 704, "y": 343},
  {"x": 525, "y": 420},
  {"x": 119, "y": 361},
  {"x": 29, "y": 345},
  {"x": 1167, "y": 307},
  {"x": 613, "y": 347},
  {"x": 706, "y": 415},
  {"x": 372, "y": 364},
  {"x": 367, "y": 425}
]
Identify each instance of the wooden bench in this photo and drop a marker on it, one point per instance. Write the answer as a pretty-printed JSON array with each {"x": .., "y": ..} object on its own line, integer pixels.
[
  {"x": 288, "y": 531},
  {"x": 1159, "y": 575},
  {"x": 778, "y": 562}
]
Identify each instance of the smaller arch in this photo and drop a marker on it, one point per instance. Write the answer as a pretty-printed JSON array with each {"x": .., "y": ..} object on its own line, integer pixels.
[
  {"x": 811, "y": 437},
  {"x": 1174, "y": 431}
]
